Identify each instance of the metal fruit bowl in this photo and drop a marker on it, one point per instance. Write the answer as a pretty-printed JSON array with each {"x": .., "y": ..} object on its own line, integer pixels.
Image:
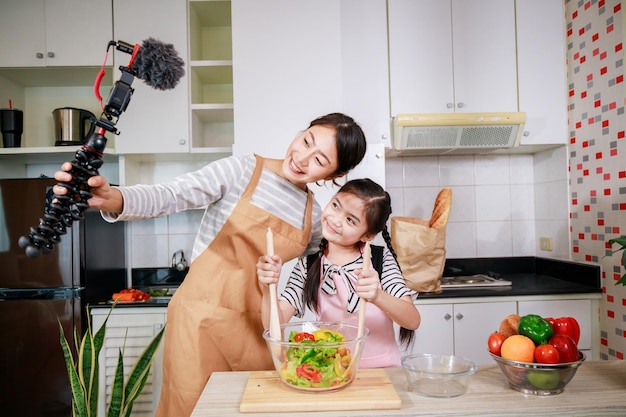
[
  {"x": 538, "y": 378},
  {"x": 337, "y": 362}
]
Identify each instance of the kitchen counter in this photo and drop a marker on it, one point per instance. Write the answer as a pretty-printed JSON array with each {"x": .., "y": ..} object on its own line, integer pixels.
[
  {"x": 522, "y": 284},
  {"x": 598, "y": 388},
  {"x": 530, "y": 276}
]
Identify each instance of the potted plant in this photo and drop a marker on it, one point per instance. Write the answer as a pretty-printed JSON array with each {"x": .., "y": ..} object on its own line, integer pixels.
[
  {"x": 621, "y": 241},
  {"x": 83, "y": 373}
]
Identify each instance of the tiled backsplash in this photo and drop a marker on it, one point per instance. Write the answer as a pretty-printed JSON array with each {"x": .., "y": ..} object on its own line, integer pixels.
[
  {"x": 154, "y": 241},
  {"x": 501, "y": 204}
]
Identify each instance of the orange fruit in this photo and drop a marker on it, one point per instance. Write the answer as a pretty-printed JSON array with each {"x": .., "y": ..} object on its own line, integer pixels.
[{"x": 518, "y": 348}]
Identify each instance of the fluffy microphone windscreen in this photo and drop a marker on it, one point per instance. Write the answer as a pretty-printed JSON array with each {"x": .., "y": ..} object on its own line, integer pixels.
[{"x": 158, "y": 64}]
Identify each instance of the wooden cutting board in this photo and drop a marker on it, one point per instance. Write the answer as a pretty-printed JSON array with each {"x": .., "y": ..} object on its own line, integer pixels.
[{"x": 371, "y": 390}]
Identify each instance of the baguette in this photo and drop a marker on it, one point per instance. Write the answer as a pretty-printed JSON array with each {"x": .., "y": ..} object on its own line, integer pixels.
[{"x": 441, "y": 209}]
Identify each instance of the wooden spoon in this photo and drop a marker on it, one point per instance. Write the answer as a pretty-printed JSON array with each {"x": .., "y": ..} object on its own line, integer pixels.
[
  {"x": 275, "y": 332},
  {"x": 367, "y": 260}
]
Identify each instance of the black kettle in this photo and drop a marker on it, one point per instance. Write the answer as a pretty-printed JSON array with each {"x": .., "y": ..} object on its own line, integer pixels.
[{"x": 72, "y": 126}]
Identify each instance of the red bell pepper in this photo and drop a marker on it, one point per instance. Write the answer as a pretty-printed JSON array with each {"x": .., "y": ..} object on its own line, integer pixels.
[
  {"x": 309, "y": 372},
  {"x": 567, "y": 326}
]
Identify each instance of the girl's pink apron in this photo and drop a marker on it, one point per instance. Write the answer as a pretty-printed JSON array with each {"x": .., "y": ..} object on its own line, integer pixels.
[
  {"x": 380, "y": 349},
  {"x": 214, "y": 318}
]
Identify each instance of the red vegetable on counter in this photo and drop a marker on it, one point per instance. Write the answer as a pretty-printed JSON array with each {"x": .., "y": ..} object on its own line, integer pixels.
[
  {"x": 130, "y": 294},
  {"x": 568, "y": 352},
  {"x": 567, "y": 326}
]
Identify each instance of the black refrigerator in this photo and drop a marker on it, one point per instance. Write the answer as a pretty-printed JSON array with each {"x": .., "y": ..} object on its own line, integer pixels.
[{"x": 86, "y": 267}]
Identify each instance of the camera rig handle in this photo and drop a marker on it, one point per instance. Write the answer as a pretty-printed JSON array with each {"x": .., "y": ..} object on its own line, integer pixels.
[{"x": 69, "y": 207}]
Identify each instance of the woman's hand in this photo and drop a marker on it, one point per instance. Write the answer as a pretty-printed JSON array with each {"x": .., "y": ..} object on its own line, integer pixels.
[
  {"x": 268, "y": 269},
  {"x": 368, "y": 284},
  {"x": 105, "y": 197}
]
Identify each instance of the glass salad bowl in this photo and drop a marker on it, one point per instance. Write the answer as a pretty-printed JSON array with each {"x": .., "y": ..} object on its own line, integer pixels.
[{"x": 317, "y": 356}]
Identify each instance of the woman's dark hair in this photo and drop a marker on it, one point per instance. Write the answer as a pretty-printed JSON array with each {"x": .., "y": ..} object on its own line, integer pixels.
[
  {"x": 377, "y": 211},
  {"x": 350, "y": 140}
]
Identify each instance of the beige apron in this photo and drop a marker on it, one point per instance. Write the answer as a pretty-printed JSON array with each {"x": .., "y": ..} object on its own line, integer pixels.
[{"x": 214, "y": 318}]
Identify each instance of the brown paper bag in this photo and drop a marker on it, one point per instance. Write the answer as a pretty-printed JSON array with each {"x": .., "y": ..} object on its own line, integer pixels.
[{"x": 421, "y": 252}]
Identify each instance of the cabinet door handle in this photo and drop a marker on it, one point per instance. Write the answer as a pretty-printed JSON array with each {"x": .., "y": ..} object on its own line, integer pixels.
[
  {"x": 50, "y": 54},
  {"x": 39, "y": 55},
  {"x": 182, "y": 141},
  {"x": 447, "y": 317},
  {"x": 460, "y": 105},
  {"x": 459, "y": 316},
  {"x": 449, "y": 105}
]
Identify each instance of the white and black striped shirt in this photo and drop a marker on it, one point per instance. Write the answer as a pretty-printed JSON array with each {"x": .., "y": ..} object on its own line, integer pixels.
[{"x": 392, "y": 281}]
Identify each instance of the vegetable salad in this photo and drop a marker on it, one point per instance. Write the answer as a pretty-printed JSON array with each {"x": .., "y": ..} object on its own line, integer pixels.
[{"x": 319, "y": 362}]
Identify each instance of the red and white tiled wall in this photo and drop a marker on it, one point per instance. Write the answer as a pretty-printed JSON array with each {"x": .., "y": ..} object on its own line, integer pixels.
[{"x": 597, "y": 152}]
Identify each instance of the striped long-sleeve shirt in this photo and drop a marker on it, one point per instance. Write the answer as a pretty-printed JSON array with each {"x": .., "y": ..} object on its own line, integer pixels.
[{"x": 219, "y": 186}]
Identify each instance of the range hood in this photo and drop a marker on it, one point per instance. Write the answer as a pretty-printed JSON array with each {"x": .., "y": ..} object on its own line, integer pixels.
[{"x": 455, "y": 133}]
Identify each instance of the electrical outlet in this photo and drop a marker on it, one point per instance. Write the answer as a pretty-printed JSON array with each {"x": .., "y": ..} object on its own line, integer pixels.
[{"x": 545, "y": 243}]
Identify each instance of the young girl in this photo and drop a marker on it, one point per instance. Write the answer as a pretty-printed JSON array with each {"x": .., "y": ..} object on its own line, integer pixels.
[
  {"x": 214, "y": 318},
  {"x": 335, "y": 284}
]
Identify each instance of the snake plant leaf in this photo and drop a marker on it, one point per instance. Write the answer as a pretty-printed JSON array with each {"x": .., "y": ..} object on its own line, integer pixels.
[
  {"x": 129, "y": 407},
  {"x": 117, "y": 389},
  {"x": 79, "y": 402},
  {"x": 83, "y": 372},
  {"x": 87, "y": 363},
  {"x": 141, "y": 369}
]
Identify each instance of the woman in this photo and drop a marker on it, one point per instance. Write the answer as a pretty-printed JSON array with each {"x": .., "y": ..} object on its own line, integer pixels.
[{"x": 214, "y": 318}]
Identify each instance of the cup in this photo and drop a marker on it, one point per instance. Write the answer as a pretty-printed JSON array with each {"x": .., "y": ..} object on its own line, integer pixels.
[{"x": 12, "y": 126}]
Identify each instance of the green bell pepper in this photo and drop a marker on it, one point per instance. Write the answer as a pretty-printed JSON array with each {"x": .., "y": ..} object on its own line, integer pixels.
[{"x": 538, "y": 329}]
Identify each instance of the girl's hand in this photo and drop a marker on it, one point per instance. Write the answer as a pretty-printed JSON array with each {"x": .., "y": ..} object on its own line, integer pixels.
[
  {"x": 368, "y": 284},
  {"x": 268, "y": 269}
]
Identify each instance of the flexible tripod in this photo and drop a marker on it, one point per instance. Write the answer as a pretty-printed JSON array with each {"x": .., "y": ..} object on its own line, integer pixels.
[{"x": 69, "y": 207}]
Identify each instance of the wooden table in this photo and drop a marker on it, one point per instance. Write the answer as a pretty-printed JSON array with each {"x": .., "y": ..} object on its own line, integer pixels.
[{"x": 598, "y": 389}]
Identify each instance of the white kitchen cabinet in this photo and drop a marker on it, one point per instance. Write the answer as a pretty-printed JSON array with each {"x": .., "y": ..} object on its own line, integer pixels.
[
  {"x": 284, "y": 76},
  {"x": 286, "y": 70},
  {"x": 54, "y": 33},
  {"x": 581, "y": 310},
  {"x": 130, "y": 329},
  {"x": 155, "y": 121},
  {"x": 542, "y": 71},
  {"x": 211, "y": 76},
  {"x": 365, "y": 68},
  {"x": 460, "y": 329},
  {"x": 452, "y": 56}
]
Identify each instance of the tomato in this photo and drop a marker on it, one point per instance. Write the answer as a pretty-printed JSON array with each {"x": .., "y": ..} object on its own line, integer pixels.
[
  {"x": 567, "y": 326},
  {"x": 546, "y": 354},
  {"x": 299, "y": 337},
  {"x": 568, "y": 351},
  {"x": 130, "y": 294},
  {"x": 495, "y": 342}
]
